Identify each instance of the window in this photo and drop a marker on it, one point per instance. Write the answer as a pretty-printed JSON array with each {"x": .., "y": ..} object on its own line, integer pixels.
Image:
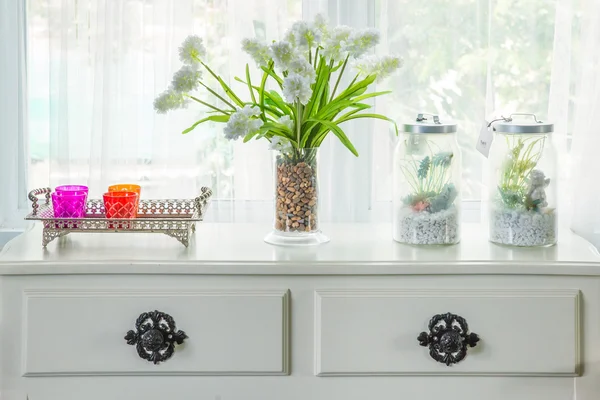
[{"x": 96, "y": 66}]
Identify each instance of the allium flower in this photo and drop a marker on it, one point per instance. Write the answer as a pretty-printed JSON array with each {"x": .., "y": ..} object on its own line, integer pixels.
[
  {"x": 186, "y": 79},
  {"x": 303, "y": 34},
  {"x": 302, "y": 67},
  {"x": 280, "y": 144},
  {"x": 424, "y": 168},
  {"x": 335, "y": 43},
  {"x": 169, "y": 100},
  {"x": 359, "y": 42},
  {"x": 242, "y": 122},
  {"x": 250, "y": 111},
  {"x": 443, "y": 159},
  {"x": 321, "y": 24},
  {"x": 381, "y": 66},
  {"x": 282, "y": 53},
  {"x": 296, "y": 87},
  {"x": 258, "y": 50},
  {"x": 191, "y": 50},
  {"x": 285, "y": 120}
]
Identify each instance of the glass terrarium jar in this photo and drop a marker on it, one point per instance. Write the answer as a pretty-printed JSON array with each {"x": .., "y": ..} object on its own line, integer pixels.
[
  {"x": 426, "y": 184},
  {"x": 296, "y": 199},
  {"x": 523, "y": 184}
]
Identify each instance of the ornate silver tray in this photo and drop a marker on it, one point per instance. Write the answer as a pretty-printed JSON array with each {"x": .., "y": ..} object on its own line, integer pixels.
[{"x": 175, "y": 218}]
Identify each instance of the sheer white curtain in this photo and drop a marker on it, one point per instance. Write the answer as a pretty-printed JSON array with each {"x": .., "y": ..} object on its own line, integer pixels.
[
  {"x": 96, "y": 65},
  {"x": 585, "y": 186},
  {"x": 13, "y": 116}
]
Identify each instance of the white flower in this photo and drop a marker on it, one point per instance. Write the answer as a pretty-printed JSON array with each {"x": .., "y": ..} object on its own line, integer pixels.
[
  {"x": 258, "y": 50},
  {"x": 285, "y": 120},
  {"x": 303, "y": 34},
  {"x": 302, "y": 67},
  {"x": 280, "y": 144},
  {"x": 361, "y": 41},
  {"x": 192, "y": 49},
  {"x": 186, "y": 79},
  {"x": 336, "y": 42},
  {"x": 282, "y": 53},
  {"x": 296, "y": 87},
  {"x": 381, "y": 66},
  {"x": 321, "y": 24},
  {"x": 242, "y": 122},
  {"x": 169, "y": 100},
  {"x": 250, "y": 111}
]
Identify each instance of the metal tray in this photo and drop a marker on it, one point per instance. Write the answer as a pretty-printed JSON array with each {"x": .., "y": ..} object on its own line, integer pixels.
[{"x": 175, "y": 218}]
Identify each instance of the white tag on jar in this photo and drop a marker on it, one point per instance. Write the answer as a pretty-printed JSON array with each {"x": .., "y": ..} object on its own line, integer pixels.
[{"x": 484, "y": 142}]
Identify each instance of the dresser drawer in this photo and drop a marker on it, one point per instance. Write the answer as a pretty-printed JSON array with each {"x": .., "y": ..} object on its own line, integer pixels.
[
  {"x": 374, "y": 332},
  {"x": 79, "y": 332}
]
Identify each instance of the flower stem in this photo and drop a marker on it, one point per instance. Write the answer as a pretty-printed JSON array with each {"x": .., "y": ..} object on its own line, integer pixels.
[
  {"x": 298, "y": 122},
  {"x": 309, "y": 55},
  {"x": 207, "y": 104},
  {"x": 316, "y": 57},
  {"x": 339, "y": 77},
  {"x": 219, "y": 96}
]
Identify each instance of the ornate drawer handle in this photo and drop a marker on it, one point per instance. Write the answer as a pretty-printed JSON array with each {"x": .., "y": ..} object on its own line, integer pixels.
[
  {"x": 155, "y": 336},
  {"x": 448, "y": 338}
]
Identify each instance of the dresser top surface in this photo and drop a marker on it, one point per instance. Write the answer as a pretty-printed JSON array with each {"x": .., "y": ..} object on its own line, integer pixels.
[{"x": 240, "y": 249}]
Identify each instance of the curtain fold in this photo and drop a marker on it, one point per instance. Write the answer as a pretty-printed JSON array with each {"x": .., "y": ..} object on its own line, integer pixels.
[{"x": 13, "y": 113}]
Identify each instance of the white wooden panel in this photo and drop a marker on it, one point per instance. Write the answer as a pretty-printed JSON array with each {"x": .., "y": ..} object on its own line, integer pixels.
[
  {"x": 374, "y": 332},
  {"x": 82, "y": 332}
]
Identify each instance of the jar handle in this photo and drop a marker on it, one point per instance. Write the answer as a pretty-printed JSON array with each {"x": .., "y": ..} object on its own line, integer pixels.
[
  {"x": 526, "y": 114},
  {"x": 421, "y": 118}
]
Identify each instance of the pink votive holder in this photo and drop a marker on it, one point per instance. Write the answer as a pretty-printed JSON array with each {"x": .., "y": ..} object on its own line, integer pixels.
[
  {"x": 68, "y": 206},
  {"x": 72, "y": 189}
]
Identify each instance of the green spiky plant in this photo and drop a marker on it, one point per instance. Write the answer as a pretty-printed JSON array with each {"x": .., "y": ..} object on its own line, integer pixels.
[
  {"x": 522, "y": 158},
  {"x": 429, "y": 179}
]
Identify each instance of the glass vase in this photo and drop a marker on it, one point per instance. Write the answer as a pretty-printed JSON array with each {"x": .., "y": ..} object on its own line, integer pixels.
[{"x": 296, "y": 220}]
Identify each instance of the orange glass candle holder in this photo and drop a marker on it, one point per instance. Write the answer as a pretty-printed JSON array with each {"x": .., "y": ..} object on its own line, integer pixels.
[
  {"x": 119, "y": 204},
  {"x": 128, "y": 187}
]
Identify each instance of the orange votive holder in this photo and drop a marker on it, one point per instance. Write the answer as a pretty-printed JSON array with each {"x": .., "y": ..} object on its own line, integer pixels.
[{"x": 128, "y": 187}]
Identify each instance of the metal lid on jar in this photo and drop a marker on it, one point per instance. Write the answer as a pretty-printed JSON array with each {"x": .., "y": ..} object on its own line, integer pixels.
[
  {"x": 508, "y": 125},
  {"x": 423, "y": 125}
]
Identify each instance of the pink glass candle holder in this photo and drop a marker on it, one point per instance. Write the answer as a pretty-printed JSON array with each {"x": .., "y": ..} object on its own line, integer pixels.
[
  {"x": 68, "y": 205},
  {"x": 72, "y": 189}
]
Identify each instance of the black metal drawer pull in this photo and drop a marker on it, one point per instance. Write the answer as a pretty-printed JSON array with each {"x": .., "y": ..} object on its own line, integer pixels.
[
  {"x": 448, "y": 338},
  {"x": 155, "y": 336}
]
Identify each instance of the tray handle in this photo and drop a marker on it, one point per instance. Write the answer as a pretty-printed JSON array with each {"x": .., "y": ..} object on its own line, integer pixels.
[
  {"x": 202, "y": 199},
  {"x": 33, "y": 196}
]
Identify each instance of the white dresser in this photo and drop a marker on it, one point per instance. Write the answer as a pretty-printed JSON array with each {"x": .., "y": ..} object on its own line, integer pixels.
[{"x": 336, "y": 322}]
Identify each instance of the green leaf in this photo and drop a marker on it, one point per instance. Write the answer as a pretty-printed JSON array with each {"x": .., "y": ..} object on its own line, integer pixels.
[
  {"x": 356, "y": 88},
  {"x": 375, "y": 116},
  {"x": 216, "y": 109},
  {"x": 337, "y": 131},
  {"x": 250, "y": 83},
  {"x": 269, "y": 71},
  {"x": 373, "y": 94},
  {"x": 321, "y": 81},
  {"x": 214, "y": 118},
  {"x": 230, "y": 92}
]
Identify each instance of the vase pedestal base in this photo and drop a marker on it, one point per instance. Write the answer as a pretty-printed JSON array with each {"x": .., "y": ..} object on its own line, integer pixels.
[{"x": 279, "y": 238}]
